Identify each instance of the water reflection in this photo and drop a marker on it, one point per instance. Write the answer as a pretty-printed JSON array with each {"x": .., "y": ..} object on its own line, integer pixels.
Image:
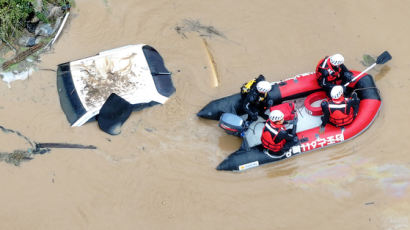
[
  {"x": 281, "y": 168},
  {"x": 382, "y": 72}
]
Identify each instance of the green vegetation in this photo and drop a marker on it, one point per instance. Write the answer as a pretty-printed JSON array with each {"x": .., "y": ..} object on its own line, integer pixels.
[
  {"x": 16, "y": 157},
  {"x": 15, "y": 13},
  {"x": 368, "y": 60},
  {"x": 13, "y": 67}
]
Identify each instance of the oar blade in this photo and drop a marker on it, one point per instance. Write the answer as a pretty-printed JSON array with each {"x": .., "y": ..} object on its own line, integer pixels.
[{"x": 383, "y": 58}]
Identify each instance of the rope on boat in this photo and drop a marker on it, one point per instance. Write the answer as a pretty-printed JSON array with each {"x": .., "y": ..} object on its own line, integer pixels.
[{"x": 358, "y": 89}]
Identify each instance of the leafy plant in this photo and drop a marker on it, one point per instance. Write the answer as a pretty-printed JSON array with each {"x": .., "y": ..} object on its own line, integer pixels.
[
  {"x": 15, "y": 13},
  {"x": 62, "y": 2},
  {"x": 42, "y": 17}
]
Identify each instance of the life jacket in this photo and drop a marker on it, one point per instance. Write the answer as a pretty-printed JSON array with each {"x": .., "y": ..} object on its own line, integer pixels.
[
  {"x": 247, "y": 86},
  {"x": 251, "y": 86},
  {"x": 338, "y": 112},
  {"x": 262, "y": 97},
  {"x": 334, "y": 73},
  {"x": 269, "y": 134}
]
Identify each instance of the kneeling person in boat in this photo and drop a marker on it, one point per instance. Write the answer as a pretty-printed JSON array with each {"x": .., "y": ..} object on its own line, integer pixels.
[
  {"x": 331, "y": 71},
  {"x": 255, "y": 98},
  {"x": 275, "y": 138},
  {"x": 339, "y": 111}
]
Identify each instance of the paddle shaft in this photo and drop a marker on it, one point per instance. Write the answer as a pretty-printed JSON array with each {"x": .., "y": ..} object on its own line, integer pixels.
[
  {"x": 360, "y": 74},
  {"x": 381, "y": 59}
]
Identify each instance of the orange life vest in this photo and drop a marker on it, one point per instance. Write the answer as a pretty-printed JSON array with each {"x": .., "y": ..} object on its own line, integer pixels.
[
  {"x": 269, "y": 134},
  {"x": 338, "y": 113}
]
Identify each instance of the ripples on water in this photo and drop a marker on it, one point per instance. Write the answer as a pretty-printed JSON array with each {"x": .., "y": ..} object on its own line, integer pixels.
[{"x": 160, "y": 172}]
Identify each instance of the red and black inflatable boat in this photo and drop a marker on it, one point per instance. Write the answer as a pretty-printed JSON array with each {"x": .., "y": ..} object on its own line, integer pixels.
[{"x": 303, "y": 90}]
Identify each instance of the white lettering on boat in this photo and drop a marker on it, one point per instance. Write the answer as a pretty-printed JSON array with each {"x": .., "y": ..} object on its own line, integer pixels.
[{"x": 321, "y": 142}]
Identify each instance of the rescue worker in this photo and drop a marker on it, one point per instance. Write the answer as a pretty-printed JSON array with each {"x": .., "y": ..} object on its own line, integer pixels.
[
  {"x": 275, "y": 139},
  {"x": 331, "y": 71},
  {"x": 339, "y": 111},
  {"x": 255, "y": 98}
]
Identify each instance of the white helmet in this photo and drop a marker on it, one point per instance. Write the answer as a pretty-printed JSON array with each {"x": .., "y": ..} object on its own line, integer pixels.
[
  {"x": 263, "y": 87},
  {"x": 337, "y": 92},
  {"x": 337, "y": 59},
  {"x": 276, "y": 115}
]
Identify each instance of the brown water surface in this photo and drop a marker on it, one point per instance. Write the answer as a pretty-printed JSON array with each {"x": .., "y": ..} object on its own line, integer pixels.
[{"x": 160, "y": 172}]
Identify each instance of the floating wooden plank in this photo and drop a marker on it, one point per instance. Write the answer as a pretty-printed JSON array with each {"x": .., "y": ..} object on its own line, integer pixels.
[{"x": 215, "y": 78}]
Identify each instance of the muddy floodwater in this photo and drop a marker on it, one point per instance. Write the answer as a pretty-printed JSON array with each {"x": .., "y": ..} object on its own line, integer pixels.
[{"x": 159, "y": 173}]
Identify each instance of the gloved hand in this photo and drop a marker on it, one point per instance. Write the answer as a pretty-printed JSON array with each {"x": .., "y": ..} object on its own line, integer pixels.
[
  {"x": 354, "y": 96},
  {"x": 254, "y": 117},
  {"x": 348, "y": 76}
]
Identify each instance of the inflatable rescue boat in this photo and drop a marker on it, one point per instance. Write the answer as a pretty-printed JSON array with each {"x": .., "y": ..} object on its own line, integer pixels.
[
  {"x": 305, "y": 94},
  {"x": 113, "y": 83}
]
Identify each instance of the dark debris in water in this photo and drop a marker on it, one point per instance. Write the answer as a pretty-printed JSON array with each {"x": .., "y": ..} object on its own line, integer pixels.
[
  {"x": 368, "y": 60},
  {"x": 189, "y": 25},
  {"x": 150, "y": 129},
  {"x": 16, "y": 157}
]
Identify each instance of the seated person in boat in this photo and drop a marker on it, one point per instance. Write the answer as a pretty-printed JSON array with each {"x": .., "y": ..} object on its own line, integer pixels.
[
  {"x": 331, "y": 71},
  {"x": 275, "y": 138},
  {"x": 255, "y": 98},
  {"x": 339, "y": 111}
]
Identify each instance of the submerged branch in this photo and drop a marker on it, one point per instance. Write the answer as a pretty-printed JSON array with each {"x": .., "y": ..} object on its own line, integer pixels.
[
  {"x": 22, "y": 55},
  {"x": 64, "y": 145}
]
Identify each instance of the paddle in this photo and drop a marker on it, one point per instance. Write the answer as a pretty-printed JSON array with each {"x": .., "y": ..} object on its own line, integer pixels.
[{"x": 383, "y": 58}]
